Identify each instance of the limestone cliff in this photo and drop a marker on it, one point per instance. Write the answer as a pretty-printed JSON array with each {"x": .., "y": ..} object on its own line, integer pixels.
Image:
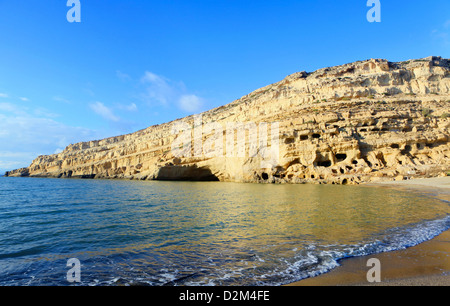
[{"x": 359, "y": 122}]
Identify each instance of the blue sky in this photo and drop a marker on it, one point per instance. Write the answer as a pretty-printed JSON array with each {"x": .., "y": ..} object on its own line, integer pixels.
[{"x": 130, "y": 64}]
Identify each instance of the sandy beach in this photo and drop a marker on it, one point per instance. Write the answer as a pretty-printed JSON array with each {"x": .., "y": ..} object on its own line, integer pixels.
[{"x": 426, "y": 264}]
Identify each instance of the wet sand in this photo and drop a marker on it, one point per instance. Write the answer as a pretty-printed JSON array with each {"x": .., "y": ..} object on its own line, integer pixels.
[{"x": 426, "y": 264}]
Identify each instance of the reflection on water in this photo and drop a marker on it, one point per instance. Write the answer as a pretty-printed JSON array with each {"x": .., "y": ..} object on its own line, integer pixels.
[{"x": 186, "y": 233}]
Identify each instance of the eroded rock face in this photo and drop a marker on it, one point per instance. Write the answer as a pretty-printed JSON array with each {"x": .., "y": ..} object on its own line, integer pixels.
[{"x": 359, "y": 122}]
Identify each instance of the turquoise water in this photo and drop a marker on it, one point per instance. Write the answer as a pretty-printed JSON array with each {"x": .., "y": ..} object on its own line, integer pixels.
[{"x": 199, "y": 233}]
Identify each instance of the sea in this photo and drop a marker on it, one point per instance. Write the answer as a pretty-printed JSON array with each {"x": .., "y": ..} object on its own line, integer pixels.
[{"x": 159, "y": 233}]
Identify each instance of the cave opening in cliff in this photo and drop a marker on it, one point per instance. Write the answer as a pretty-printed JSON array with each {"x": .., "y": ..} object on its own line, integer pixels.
[
  {"x": 186, "y": 173},
  {"x": 325, "y": 163},
  {"x": 289, "y": 140},
  {"x": 341, "y": 157},
  {"x": 380, "y": 157}
]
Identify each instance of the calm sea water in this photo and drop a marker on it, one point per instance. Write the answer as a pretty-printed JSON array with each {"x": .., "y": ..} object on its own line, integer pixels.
[{"x": 205, "y": 233}]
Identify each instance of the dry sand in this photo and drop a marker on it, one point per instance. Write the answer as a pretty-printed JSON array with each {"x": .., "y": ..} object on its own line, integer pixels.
[{"x": 427, "y": 264}]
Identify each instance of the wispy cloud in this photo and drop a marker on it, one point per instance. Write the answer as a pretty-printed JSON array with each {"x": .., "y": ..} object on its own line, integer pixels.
[
  {"x": 100, "y": 109},
  {"x": 132, "y": 107},
  {"x": 159, "y": 89},
  {"x": 162, "y": 91},
  {"x": 43, "y": 112},
  {"x": 61, "y": 99},
  {"x": 24, "y": 135},
  {"x": 123, "y": 76},
  {"x": 7, "y": 107},
  {"x": 443, "y": 33},
  {"x": 15, "y": 160},
  {"x": 5, "y": 95},
  {"x": 21, "y": 110},
  {"x": 190, "y": 103}
]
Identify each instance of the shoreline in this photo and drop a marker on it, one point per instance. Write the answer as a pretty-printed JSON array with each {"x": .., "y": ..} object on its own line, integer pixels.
[{"x": 426, "y": 264}]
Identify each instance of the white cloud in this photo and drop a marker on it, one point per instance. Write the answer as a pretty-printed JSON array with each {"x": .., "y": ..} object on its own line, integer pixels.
[
  {"x": 4, "y": 95},
  {"x": 165, "y": 92},
  {"x": 158, "y": 89},
  {"x": 36, "y": 131},
  {"x": 100, "y": 109},
  {"x": 443, "y": 33},
  {"x": 61, "y": 99},
  {"x": 9, "y": 165},
  {"x": 43, "y": 112},
  {"x": 25, "y": 136},
  {"x": 130, "y": 107},
  {"x": 21, "y": 110},
  {"x": 7, "y": 107},
  {"x": 123, "y": 76},
  {"x": 15, "y": 160},
  {"x": 190, "y": 103},
  {"x": 12, "y": 108}
]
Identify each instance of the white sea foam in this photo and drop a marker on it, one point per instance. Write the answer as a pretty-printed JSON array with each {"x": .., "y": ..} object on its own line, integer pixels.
[{"x": 319, "y": 262}]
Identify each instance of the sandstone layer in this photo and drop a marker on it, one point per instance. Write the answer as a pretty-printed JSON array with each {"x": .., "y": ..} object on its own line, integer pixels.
[{"x": 359, "y": 122}]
